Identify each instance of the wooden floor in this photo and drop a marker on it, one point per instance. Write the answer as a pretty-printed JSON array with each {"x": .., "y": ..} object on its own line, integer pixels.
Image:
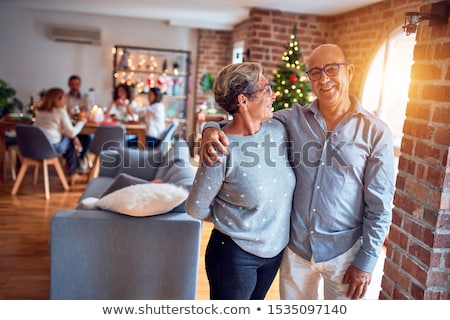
[{"x": 24, "y": 239}]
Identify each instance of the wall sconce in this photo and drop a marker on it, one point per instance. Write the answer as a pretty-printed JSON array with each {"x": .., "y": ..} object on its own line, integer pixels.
[{"x": 438, "y": 16}]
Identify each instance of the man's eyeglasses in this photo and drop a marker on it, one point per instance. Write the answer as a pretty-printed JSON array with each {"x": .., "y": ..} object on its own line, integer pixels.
[{"x": 331, "y": 70}]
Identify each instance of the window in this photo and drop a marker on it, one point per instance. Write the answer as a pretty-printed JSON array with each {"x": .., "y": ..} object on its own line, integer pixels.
[
  {"x": 238, "y": 52},
  {"x": 386, "y": 87}
]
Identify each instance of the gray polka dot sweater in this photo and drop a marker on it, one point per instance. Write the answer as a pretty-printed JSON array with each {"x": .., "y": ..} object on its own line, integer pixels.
[{"x": 249, "y": 195}]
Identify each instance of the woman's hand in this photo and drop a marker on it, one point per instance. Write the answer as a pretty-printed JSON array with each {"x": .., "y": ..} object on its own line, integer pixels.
[{"x": 82, "y": 116}]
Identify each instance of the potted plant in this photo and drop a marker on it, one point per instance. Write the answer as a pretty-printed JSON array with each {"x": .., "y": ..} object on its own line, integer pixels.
[
  {"x": 6, "y": 94},
  {"x": 206, "y": 84}
]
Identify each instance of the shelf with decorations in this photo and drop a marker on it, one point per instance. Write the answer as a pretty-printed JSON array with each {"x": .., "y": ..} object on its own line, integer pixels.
[{"x": 142, "y": 68}]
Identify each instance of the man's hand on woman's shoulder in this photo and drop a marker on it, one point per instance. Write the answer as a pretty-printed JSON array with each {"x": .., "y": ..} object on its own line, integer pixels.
[{"x": 213, "y": 141}]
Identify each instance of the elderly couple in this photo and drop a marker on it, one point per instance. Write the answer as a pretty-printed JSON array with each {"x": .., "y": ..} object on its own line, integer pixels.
[{"x": 306, "y": 190}]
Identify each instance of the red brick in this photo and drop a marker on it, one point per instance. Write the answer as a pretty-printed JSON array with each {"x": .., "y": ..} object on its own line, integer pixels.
[
  {"x": 404, "y": 202},
  {"x": 400, "y": 182},
  {"x": 387, "y": 288},
  {"x": 442, "y": 51},
  {"x": 425, "y": 72},
  {"x": 417, "y": 110},
  {"x": 397, "y": 256},
  {"x": 442, "y": 134},
  {"x": 422, "y": 131},
  {"x": 406, "y": 165},
  {"x": 446, "y": 159},
  {"x": 447, "y": 260},
  {"x": 417, "y": 291},
  {"x": 400, "y": 278},
  {"x": 434, "y": 198},
  {"x": 442, "y": 241},
  {"x": 414, "y": 270},
  {"x": 383, "y": 294},
  {"x": 421, "y": 172},
  {"x": 446, "y": 183},
  {"x": 418, "y": 251},
  {"x": 427, "y": 152},
  {"x": 435, "y": 176},
  {"x": 407, "y": 146},
  {"x": 422, "y": 52},
  {"x": 416, "y": 189},
  {"x": 445, "y": 202},
  {"x": 442, "y": 114},
  {"x": 397, "y": 217},
  {"x": 389, "y": 248},
  {"x": 434, "y": 295},
  {"x": 419, "y": 231},
  {"x": 430, "y": 216},
  {"x": 436, "y": 93},
  {"x": 399, "y": 295},
  {"x": 413, "y": 91},
  {"x": 437, "y": 279},
  {"x": 435, "y": 260},
  {"x": 398, "y": 237}
]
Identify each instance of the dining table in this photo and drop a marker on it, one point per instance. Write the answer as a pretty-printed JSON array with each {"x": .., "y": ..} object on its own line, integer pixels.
[{"x": 138, "y": 129}]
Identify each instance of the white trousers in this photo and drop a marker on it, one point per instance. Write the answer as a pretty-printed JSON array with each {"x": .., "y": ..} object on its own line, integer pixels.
[{"x": 300, "y": 278}]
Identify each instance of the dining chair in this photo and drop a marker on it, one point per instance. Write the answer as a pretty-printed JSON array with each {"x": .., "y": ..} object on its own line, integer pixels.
[
  {"x": 106, "y": 137},
  {"x": 36, "y": 150},
  {"x": 11, "y": 155},
  {"x": 168, "y": 136}
]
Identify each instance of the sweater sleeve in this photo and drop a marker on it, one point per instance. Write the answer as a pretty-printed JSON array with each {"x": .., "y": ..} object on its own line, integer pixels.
[
  {"x": 207, "y": 184},
  {"x": 67, "y": 128}
]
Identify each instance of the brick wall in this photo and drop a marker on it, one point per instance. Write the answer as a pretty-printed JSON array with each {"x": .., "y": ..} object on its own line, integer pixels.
[
  {"x": 417, "y": 265},
  {"x": 266, "y": 33},
  {"x": 215, "y": 49},
  {"x": 361, "y": 33},
  {"x": 418, "y": 251}
]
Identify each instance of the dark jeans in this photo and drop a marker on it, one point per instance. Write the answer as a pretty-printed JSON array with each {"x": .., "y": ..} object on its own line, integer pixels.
[
  {"x": 67, "y": 148},
  {"x": 235, "y": 274},
  {"x": 85, "y": 140}
]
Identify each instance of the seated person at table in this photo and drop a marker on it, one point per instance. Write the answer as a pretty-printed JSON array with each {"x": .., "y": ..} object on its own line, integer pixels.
[
  {"x": 52, "y": 116},
  {"x": 154, "y": 116},
  {"x": 122, "y": 104},
  {"x": 77, "y": 102}
]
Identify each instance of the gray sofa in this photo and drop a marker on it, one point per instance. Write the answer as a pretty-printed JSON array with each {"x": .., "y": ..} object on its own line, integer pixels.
[{"x": 99, "y": 254}]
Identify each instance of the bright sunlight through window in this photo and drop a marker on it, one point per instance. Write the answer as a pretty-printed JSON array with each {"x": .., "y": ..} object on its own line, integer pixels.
[{"x": 386, "y": 87}]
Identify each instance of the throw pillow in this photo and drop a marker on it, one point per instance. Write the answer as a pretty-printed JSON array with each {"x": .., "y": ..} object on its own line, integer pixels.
[
  {"x": 123, "y": 180},
  {"x": 142, "y": 200},
  {"x": 88, "y": 203}
]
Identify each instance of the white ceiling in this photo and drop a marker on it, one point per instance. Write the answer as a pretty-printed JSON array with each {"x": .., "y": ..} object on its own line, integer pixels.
[{"x": 207, "y": 14}]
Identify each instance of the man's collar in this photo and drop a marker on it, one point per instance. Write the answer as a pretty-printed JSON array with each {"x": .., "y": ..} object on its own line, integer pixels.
[
  {"x": 78, "y": 95},
  {"x": 356, "y": 107}
]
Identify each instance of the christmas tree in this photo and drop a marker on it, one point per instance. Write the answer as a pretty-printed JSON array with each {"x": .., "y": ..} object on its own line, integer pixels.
[{"x": 290, "y": 82}]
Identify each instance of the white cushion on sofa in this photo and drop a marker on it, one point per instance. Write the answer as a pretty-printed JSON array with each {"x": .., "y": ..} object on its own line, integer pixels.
[{"x": 142, "y": 200}]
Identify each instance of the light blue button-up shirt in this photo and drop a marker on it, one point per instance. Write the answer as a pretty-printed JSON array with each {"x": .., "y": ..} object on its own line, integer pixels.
[{"x": 345, "y": 183}]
